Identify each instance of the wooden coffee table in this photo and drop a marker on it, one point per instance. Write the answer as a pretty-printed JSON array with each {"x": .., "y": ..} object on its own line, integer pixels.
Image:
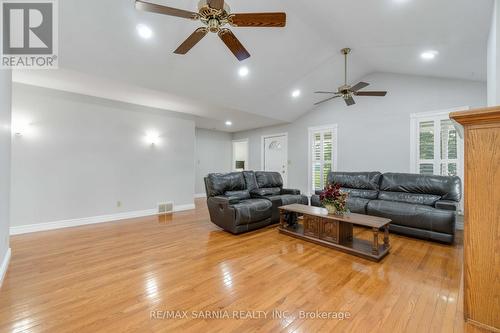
[{"x": 336, "y": 231}]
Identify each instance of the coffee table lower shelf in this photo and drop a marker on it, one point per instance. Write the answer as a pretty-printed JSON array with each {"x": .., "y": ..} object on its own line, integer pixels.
[{"x": 358, "y": 247}]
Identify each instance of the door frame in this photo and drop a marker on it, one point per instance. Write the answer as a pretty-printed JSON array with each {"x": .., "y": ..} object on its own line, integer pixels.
[
  {"x": 248, "y": 153},
  {"x": 263, "y": 152}
]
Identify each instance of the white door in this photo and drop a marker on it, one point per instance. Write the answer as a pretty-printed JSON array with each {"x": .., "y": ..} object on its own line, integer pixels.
[{"x": 276, "y": 155}]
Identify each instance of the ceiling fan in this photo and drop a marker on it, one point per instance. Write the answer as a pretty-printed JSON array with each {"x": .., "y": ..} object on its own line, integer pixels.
[
  {"x": 215, "y": 14},
  {"x": 347, "y": 91}
]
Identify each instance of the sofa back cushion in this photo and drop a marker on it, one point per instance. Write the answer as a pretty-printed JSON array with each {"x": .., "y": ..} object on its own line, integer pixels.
[
  {"x": 219, "y": 184},
  {"x": 360, "y": 193},
  {"x": 413, "y": 198},
  {"x": 250, "y": 180},
  {"x": 266, "y": 179},
  {"x": 448, "y": 188},
  {"x": 358, "y": 180}
]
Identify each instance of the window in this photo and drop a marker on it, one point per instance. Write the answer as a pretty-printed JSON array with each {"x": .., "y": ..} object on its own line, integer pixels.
[
  {"x": 436, "y": 145},
  {"x": 323, "y": 155}
]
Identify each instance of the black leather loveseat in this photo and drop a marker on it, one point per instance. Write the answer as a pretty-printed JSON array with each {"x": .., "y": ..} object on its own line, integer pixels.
[
  {"x": 418, "y": 205},
  {"x": 243, "y": 201}
]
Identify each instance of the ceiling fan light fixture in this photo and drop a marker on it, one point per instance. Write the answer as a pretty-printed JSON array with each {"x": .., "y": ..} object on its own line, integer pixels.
[
  {"x": 215, "y": 15},
  {"x": 347, "y": 91}
]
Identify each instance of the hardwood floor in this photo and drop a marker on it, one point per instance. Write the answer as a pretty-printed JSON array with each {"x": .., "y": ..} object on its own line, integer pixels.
[{"x": 110, "y": 277}]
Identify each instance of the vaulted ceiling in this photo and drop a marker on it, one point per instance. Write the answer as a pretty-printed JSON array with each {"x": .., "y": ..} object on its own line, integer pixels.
[{"x": 101, "y": 54}]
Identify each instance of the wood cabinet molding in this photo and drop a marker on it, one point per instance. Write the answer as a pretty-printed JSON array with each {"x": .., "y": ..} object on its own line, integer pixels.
[
  {"x": 482, "y": 216},
  {"x": 477, "y": 116}
]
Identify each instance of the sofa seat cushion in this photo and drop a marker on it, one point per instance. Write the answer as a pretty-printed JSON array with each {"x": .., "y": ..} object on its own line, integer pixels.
[
  {"x": 263, "y": 192},
  {"x": 357, "y": 205},
  {"x": 413, "y": 198},
  {"x": 360, "y": 193},
  {"x": 252, "y": 210},
  {"x": 414, "y": 216},
  {"x": 287, "y": 199}
]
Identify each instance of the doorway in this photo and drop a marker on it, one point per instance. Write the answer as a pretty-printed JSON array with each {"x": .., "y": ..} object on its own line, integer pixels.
[
  {"x": 240, "y": 155},
  {"x": 275, "y": 154}
]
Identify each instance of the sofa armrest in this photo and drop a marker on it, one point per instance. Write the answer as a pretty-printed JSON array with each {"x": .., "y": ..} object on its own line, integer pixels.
[
  {"x": 447, "y": 205},
  {"x": 222, "y": 213},
  {"x": 318, "y": 192},
  {"x": 224, "y": 200},
  {"x": 290, "y": 191},
  {"x": 264, "y": 192}
]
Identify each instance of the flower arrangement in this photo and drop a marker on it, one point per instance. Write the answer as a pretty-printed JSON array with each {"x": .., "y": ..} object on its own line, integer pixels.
[{"x": 334, "y": 199}]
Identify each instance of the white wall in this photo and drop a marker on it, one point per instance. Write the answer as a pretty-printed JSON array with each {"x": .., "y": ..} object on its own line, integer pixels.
[
  {"x": 84, "y": 154},
  {"x": 375, "y": 133},
  {"x": 213, "y": 154},
  {"x": 5, "y": 160},
  {"x": 494, "y": 58}
]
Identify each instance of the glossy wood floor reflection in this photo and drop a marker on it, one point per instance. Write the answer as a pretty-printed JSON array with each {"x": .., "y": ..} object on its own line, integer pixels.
[{"x": 109, "y": 277}]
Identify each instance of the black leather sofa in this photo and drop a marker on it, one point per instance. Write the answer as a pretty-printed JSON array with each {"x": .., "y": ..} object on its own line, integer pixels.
[
  {"x": 418, "y": 205},
  {"x": 243, "y": 201}
]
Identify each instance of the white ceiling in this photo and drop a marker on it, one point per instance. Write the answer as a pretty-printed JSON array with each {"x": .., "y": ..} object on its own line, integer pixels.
[{"x": 102, "y": 55}]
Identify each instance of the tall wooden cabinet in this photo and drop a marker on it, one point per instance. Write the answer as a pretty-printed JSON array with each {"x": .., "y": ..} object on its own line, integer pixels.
[{"x": 482, "y": 216}]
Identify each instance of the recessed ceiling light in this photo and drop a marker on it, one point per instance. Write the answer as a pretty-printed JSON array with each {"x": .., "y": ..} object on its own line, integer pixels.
[
  {"x": 429, "y": 55},
  {"x": 296, "y": 93},
  {"x": 144, "y": 31},
  {"x": 243, "y": 71},
  {"x": 229, "y": 123}
]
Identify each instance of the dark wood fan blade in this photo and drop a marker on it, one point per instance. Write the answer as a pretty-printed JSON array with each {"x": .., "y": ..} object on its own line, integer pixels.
[
  {"x": 325, "y": 92},
  {"x": 154, "y": 8},
  {"x": 234, "y": 44},
  {"x": 216, "y": 4},
  {"x": 359, "y": 86},
  {"x": 349, "y": 101},
  {"x": 371, "y": 93},
  {"x": 326, "y": 100},
  {"x": 273, "y": 20},
  {"x": 191, "y": 41}
]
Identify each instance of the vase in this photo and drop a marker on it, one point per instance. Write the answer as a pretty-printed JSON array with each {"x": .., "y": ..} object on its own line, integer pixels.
[{"x": 331, "y": 209}]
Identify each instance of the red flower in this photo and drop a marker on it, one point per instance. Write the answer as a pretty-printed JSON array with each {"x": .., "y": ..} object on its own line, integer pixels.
[{"x": 333, "y": 195}]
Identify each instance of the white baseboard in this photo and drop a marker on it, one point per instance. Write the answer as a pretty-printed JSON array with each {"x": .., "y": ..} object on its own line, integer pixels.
[
  {"x": 200, "y": 195},
  {"x": 183, "y": 208},
  {"x": 24, "y": 229},
  {"x": 5, "y": 265}
]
